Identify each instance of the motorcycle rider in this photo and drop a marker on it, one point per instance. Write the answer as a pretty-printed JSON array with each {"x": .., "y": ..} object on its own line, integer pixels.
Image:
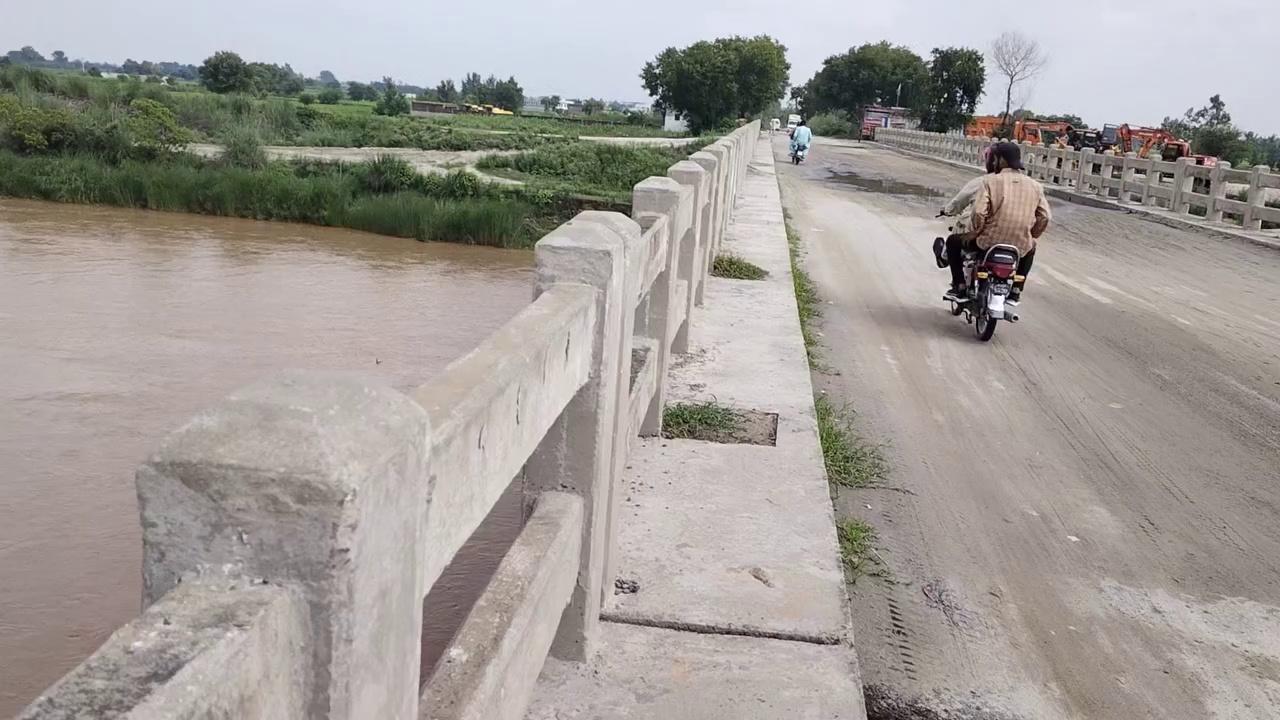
[
  {"x": 1009, "y": 209},
  {"x": 962, "y": 205},
  {"x": 800, "y": 138}
]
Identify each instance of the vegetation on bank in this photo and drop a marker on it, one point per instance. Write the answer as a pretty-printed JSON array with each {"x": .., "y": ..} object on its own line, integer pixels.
[
  {"x": 857, "y": 551},
  {"x": 384, "y": 196},
  {"x": 585, "y": 168},
  {"x": 66, "y": 138}
]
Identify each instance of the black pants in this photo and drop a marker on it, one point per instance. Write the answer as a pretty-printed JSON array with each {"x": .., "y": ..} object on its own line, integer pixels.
[{"x": 956, "y": 247}]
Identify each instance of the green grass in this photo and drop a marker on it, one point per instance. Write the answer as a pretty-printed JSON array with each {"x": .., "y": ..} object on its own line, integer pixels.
[
  {"x": 851, "y": 461},
  {"x": 806, "y": 297},
  {"x": 856, "y": 540},
  {"x": 699, "y": 420},
  {"x": 735, "y": 268},
  {"x": 450, "y": 208},
  {"x": 588, "y": 168}
]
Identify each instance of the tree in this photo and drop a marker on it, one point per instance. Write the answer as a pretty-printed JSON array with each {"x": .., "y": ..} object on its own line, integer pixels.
[
  {"x": 94, "y": 72},
  {"x": 59, "y": 57},
  {"x": 361, "y": 92},
  {"x": 472, "y": 88},
  {"x": 392, "y": 102},
  {"x": 1211, "y": 133},
  {"x": 710, "y": 83},
  {"x": 550, "y": 103},
  {"x": 329, "y": 96},
  {"x": 591, "y": 106},
  {"x": 226, "y": 72},
  {"x": 506, "y": 94},
  {"x": 447, "y": 92},
  {"x": 956, "y": 80},
  {"x": 1018, "y": 58},
  {"x": 872, "y": 74},
  {"x": 133, "y": 67},
  {"x": 276, "y": 79},
  {"x": 26, "y": 56},
  {"x": 329, "y": 79}
]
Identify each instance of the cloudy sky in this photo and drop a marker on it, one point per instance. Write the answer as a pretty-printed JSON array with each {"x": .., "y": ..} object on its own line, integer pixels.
[{"x": 1110, "y": 62}]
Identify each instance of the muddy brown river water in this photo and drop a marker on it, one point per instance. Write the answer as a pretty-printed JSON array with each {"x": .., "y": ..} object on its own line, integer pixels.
[{"x": 117, "y": 325}]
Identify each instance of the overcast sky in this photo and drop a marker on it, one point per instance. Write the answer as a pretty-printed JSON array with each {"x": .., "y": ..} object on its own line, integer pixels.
[{"x": 1110, "y": 62}]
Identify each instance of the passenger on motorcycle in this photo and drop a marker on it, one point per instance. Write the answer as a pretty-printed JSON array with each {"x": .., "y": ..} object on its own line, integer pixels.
[
  {"x": 801, "y": 137},
  {"x": 962, "y": 206},
  {"x": 1009, "y": 209}
]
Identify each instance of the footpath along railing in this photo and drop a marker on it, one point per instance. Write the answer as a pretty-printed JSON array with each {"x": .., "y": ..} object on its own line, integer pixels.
[
  {"x": 1181, "y": 187},
  {"x": 291, "y": 532}
]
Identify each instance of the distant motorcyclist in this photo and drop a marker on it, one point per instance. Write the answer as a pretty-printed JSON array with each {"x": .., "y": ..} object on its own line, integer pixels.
[
  {"x": 801, "y": 138},
  {"x": 1009, "y": 209}
]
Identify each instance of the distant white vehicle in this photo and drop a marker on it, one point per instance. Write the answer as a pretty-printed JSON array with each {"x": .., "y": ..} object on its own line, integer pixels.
[
  {"x": 793, "y": 121},
  {"x": 775, "y": 125}
]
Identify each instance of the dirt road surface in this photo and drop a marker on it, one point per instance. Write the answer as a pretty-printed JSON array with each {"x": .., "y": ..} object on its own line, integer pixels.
[{"x": 1083, "y": 516}]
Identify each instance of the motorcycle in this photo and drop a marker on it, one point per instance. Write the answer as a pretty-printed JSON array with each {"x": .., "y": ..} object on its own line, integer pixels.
[
  {"x": 798, "y": 153},
  {"x": 989, "y": 277}
]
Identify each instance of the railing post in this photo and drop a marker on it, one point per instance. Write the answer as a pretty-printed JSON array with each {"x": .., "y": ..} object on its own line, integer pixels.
[
  {"x": 317, "y": 481},
  {"x": 706, "y": 222},
  {"x": 1182, "y": 181},
  {"x": 577, "y": 454},
  {"x": 1127, "y": 165},
  {"x": 1252, "y": 219},
  {"x": 1149, "y": 197},
  {"x": 1217, "y": 190},
  {"x": 1105, "y": 171},
  {"x": 663, "y": 197},
  {"x": 694, "y": 261},
  {"x": 1085, "y": 170}
]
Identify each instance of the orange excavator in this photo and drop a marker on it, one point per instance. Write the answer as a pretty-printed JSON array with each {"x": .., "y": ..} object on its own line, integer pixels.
[
  {"x": 1033, "y": 131},
  {"x": 1143, "y": 140}
]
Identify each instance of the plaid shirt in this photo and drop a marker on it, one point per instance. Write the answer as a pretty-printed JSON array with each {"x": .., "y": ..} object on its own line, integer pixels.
[{"x": 1010, "y": 209}]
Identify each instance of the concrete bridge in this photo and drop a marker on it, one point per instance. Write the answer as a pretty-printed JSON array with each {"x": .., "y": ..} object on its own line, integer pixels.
[
  {"x": 292, "y": 531},
  {"x": 1079, "y": 522}
]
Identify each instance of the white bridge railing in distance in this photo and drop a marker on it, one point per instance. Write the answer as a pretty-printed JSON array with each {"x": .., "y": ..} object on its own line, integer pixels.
[{"x": 1181, "y": 187}]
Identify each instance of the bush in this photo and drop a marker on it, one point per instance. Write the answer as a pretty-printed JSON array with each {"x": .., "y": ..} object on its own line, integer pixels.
[
  {"x": 242, "y": 147},
  {"x": 29, "y": 129},
  {"x": 386, "y": 174},
  {"x": 831, "y": 125},
  {"x": 306, "y": 98},
  {"x": 154, "y": 128},
  {"x": 330, "y": 96}
]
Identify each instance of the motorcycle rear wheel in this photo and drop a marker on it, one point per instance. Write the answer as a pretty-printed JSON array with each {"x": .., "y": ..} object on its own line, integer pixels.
[{"x": 984, "y": 326}]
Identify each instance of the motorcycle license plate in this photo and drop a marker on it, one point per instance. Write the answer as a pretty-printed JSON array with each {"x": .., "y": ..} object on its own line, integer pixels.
[{"x": 1000, "y": 288}]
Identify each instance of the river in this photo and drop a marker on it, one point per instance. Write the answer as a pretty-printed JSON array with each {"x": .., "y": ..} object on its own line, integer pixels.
[{"x": 117, "y": 325}]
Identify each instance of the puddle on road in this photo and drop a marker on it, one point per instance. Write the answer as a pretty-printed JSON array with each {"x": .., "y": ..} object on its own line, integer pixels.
[{"x": 882, "y": 185}]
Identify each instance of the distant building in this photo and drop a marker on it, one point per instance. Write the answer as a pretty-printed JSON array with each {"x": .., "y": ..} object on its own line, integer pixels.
[
  {"x": 671, "y": 124},
  {"x": 432, "y": 107},
  {"x": 876, "y": 116}
]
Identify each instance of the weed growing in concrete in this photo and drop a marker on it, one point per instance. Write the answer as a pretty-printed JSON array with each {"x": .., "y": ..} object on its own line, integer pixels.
[
  {"x": 851, "y": 461},
  {"x": 735, "y": 268},
  {"x": 806, "y": 296},
  {"x": 698, "y": 421},
  {"x": 855, "y": 538}
]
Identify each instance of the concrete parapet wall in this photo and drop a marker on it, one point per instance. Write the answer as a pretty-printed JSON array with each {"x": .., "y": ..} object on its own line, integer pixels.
[
  {"x": 1181, "y": 188},
  {"x": 292, "y": 530}
]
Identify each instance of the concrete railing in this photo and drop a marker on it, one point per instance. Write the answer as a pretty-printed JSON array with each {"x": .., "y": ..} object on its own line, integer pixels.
[
  {"x": 1181, "y": 187},
  {"x": 291, "y": 532}
]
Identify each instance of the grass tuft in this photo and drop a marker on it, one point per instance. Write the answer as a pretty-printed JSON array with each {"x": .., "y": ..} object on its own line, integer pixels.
[
  {"x": 700, "y": 420},
  {"x": 806, "y": 296},
  {"x": 856, "y": 538},
  {"x": 735, "y": 268},
  {"x": 851, "y": 461}
]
